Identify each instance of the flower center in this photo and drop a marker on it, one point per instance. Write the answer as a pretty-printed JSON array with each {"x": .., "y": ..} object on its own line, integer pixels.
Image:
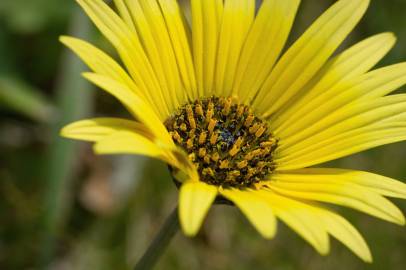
[{"x": 227, "y": 143}]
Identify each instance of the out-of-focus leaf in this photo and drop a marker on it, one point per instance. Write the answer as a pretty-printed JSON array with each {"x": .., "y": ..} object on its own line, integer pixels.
[
  {"x": 21, "y": 97},
  {"x": 31, "y": 16},
  {"x": 5, "y": 53}
]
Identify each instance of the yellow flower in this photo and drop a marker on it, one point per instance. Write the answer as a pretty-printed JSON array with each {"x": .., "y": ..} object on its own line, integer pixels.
[{"x": 237, "y": 119}]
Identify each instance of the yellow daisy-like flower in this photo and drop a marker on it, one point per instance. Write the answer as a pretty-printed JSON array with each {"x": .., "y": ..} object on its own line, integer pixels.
[{"x": 238, "y": 120}]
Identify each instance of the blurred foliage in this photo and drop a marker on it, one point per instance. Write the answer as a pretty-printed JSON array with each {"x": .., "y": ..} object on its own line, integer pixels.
[
  {"x": 62, "y": 207},
  {"x": 30, "y": 17},
  {"x": 20, "y": 97}
]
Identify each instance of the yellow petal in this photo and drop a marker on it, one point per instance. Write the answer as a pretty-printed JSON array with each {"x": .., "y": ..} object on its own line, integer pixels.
[
  {"x": 130, "y": 49},
  {"x": 178, "y": 158},
  {"x": 349, "y": 195},
  {"x": 134, "y": 104},
  {"x": 132, "y": 142},
  {"x": 237, "y": 18},
  {"x": 337, "y": 73},
  {"x": 206, "y": 18},
  {"x": 302, "y": 218},
  {"x": 96, "y": 129},
  {"x": 178, "y": 34},
  {"x": 341, "y": 229},
  {"x": 312, "y": 222},
  {"x": 263, "y": 45},
  {"x": 154, "y": 36},
  {"x": 307, "y": 55},
  {"x": 99, "y": 61},
  {"x": 377, "y": 183},
  {"x": 195, "y": 199},
  {"x": 255, "y": 208},
  {"x": 350, "y": 117},
  {"x": 125, "y": 14},
  {"x": 381, "y": 82},
  {"x": 344, "y": 144},
  {"x": 366, "y": 87},
  {"x": 126, "y": 142}
]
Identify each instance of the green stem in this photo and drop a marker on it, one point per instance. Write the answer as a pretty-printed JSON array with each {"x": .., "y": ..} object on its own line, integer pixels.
[
  {"x": 74, "y": 101},
  {"x": 159, "y": 244}
]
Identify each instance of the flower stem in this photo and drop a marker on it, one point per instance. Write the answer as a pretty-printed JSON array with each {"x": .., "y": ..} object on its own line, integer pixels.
[{"x": 159, "y": 244}]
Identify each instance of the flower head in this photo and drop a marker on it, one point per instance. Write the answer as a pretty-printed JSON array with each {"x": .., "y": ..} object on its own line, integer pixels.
[{"x": 236, "y": 118}]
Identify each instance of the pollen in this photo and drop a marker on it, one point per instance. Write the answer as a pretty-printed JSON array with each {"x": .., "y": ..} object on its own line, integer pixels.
[{"x": 228, "y": 144}]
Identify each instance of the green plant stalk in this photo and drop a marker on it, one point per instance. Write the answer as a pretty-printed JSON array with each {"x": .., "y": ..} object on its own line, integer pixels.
[
  {"x": 74, "y": 100},
  {"x": 159, "y": 244}
]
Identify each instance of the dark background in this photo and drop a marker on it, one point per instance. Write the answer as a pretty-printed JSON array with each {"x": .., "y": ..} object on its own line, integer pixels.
[{"x": 62, "y": 207}]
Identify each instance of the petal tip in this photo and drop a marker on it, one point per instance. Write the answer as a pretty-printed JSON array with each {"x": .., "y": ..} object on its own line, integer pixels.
[
  {"x": 402, "y": 221},
  {"x": 324, "y": 250},
  {"x": 391, "y": 35},
  {"x": 368, "y": 258},
  {"x": 66, "y": 131},
  {"x": 195, "y": 199},
  {"x": 64, "y": 39},
  {"x": 398, "y": 218},
  {"x": 269, "y": 234},
  {"x": 187, "y": 230},
  {"x": 98, "y": 149}
]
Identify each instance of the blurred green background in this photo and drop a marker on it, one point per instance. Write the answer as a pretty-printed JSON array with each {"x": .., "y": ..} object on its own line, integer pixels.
[{"x": 62, "y": 207}]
